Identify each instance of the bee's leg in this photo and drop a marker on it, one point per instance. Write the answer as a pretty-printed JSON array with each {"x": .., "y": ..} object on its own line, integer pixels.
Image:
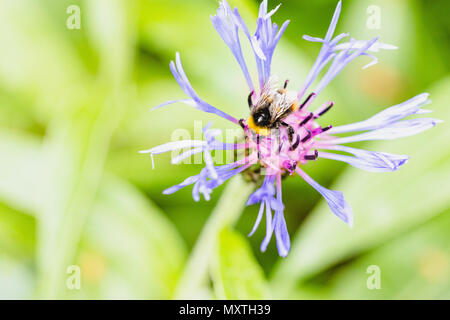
[
  {"x": 290, "y": 130},
  {"x": 257, "y": 146},
  {"x": 278, "y": 135},
  {"x": 242, "y": 124},
  {"x": 249, "y": 99},
  {"x": 291, "y": 134}
]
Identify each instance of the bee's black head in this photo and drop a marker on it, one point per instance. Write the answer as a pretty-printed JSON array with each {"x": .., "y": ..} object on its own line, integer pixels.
[{"x": 262, "y": 117}]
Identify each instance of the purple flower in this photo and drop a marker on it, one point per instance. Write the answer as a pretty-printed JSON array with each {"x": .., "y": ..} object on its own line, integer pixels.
[{"x": 282, "y": 134}]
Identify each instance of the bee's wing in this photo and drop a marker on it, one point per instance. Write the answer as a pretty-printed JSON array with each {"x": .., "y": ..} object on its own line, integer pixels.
[
  {"x": 267, "y": 94},
  {"x": 278, "y": 110},
  {"x": 281, "y": 106}
]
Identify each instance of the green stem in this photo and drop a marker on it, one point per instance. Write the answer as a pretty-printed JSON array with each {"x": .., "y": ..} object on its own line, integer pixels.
[{"x": 225, "y": 214}]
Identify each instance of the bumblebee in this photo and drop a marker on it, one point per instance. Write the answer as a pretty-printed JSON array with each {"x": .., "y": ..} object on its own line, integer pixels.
[{"x": 272, "y": 106}]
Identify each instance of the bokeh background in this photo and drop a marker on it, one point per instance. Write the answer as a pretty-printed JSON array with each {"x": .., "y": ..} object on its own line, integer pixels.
[{"x": 74, "y": 112}]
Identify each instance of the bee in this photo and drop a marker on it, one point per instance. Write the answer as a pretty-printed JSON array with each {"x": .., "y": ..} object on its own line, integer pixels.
[{"x": 272, "y": 106}]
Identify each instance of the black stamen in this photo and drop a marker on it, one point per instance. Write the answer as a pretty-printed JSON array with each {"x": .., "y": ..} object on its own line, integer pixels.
[
  {"x": 308, "y": 136},
  {"x": 312, "y": 156},
  {"x": 241, "y": 122},
  {"x": 310, "y": 115},
  {"x": 249, "y": 99},
  {"x": 327, "y": 128},
  {"x": 296, "y": 143},
  {"x": 280, "y": 146},
  {"x": 286, "y": 83},
  {"x": 312, "y": 94},
  {"x": 321, "y": 113}
]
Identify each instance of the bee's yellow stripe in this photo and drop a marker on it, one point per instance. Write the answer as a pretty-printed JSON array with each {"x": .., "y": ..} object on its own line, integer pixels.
[{"x": 259, "y": 130}]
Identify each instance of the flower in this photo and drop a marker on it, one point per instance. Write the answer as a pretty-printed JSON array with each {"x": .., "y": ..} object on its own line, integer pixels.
[{"x": 295, "y": 137}]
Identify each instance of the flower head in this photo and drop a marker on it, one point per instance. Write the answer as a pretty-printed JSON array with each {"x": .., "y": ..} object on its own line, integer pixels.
[{"x": 282, "y": 133}]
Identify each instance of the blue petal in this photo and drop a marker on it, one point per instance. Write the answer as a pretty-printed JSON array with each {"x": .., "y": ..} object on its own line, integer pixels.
[
  {"x": 340, "y": 61},
  {"x": 175, "y": 145},
  {"x": 387, "y": 116},
  {"x": 186, "y": 154},
  {"x": 312, "y": 39},
  {"x": 205, "y": 183},
  {"x": 335, "y": 199},
  {"x": 269, "y": 227},
  {"x": 281, "y": 234},
  {"x": 367, "y": 160},
  {"x": 334, "y": 22},
  {"x": 227, "y": 27},
  {"x": 264, "y": 40},
  {"x": 355, "y": 44},
  {"x": 198, "y": 146},
  {"x": 395, "y": 130},
  {"x": 265, "y": 196},
  {"x": 266, "y": 192},
  {"x": 189, "y": 102},
  {"x": 180, "y": 76},
  {"x": 183, "y": 184},
  {"x": 341, "y": 54},
  {"x": 258, "y": 219}
]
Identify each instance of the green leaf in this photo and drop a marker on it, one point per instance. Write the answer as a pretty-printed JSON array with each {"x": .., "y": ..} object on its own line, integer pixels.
[
  {"x": 413, "y": 266},
  {"x": 384, "y": 205},
  {"x": 111, "y": 32},
  {"x": 140, "y": 253},
  {"x": 73, "y": 158},
  {"x": 17, "y": 279},
  {"x": 17, "y": 250},
  {"x": 237, "y": 275},
  {"x": 17, "y": 233},
  {"x": 20, "y": 170},
  {"x": 193, "y": 282}
]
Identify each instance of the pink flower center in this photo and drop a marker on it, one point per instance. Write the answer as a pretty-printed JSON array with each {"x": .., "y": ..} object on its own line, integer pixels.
[{"x": 293, "y": 142}]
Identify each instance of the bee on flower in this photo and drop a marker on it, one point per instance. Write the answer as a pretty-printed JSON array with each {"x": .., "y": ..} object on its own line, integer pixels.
[{"x": 282, "y": 131}]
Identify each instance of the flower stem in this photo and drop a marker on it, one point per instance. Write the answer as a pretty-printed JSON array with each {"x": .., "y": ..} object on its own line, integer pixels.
[{"x": 228, "y": 210}]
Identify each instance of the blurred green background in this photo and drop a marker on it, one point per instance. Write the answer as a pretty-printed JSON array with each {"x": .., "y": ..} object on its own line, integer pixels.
[{"x": 74, "y": 112}]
